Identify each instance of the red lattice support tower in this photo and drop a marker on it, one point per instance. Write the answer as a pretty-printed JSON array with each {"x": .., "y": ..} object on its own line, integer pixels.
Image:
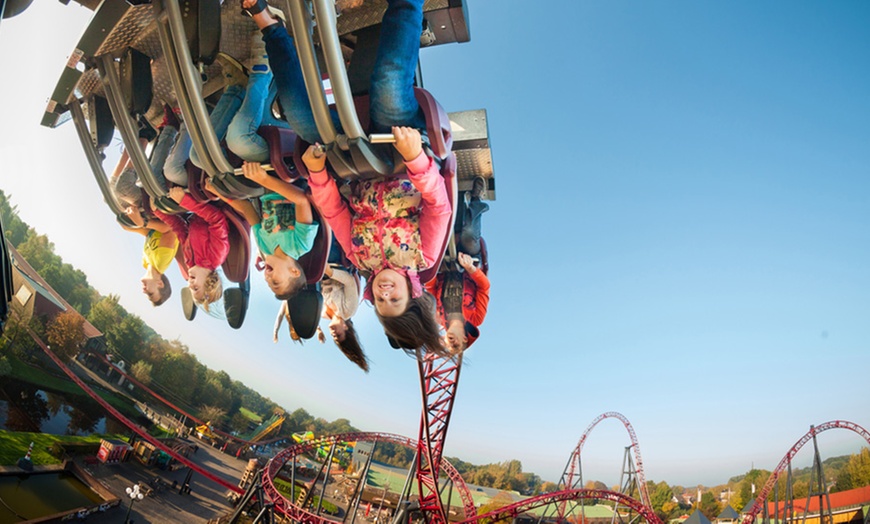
[
  {"x": 295, "y": 513},
  {"x": 568, "y": 482},
  {"x": 783, "y": 464},
  {"x": 438, "y": 380},
  {"x": 560, "y": 498}
]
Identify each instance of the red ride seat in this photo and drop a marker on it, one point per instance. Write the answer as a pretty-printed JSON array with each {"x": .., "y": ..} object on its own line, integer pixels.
[{"x": 237, "y": 264}]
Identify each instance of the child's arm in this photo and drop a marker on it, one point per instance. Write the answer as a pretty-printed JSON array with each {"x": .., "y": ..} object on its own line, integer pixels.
[
  {"x": 423, "y": 172},
  {"x": 122, "y": 164},
  {"x": 244, "y": 207},
  {"x": 175, "y": 223},
  {"x": 255, "y": 173},
  {"x": 328, "y": 200},
  {"x": 136, "y": 217}
]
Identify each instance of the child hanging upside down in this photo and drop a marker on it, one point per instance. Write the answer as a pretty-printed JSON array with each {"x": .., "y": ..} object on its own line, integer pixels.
[
  {"x": 392, "y": 228},
  {"x": 158, "y": 252},
  {"x": 462, "y": 302},
  {"x": 464, "y": 296},
  {"x": 204, "y": 238},
  {"x": 340, "y": 303},
  {"x": 285, "y": 229}
]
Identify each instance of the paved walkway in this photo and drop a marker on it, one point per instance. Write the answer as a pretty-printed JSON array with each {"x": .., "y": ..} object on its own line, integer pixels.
[{"x": 205, "y": 501}]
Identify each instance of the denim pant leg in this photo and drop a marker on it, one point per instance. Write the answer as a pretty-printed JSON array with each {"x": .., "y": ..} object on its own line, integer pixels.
[
  {"x": 242, "y": 137},
  {"x": 222, "y": 115},
  {"x": 392, "y": 91},
  {"x": 469, "y": 229},
  {"x": 174, "y": 169},
  {"x": 161, "y": 151},
  {"x": 291, "y": 85}
]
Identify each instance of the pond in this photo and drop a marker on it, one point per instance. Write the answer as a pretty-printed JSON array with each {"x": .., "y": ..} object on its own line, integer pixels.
[
  {"x": 24, "y": 497},
  {"x": 25, "y": 407}
]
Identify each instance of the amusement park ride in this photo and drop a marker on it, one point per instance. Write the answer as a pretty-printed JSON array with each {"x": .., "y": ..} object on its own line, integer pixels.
[{"x": 137, "y": 55}]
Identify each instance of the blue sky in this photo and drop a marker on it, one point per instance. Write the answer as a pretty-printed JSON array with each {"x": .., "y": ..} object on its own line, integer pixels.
[{"x": 682, "y": 235}]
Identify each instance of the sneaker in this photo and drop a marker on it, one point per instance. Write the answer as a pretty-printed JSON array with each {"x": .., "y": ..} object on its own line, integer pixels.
[
  {"x": 146, "y": 130},
  {"x": 234, "y": 72},
  {"x": 478, "y": 188}
]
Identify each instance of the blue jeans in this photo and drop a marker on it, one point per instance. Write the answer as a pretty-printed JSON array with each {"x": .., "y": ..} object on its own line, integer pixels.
[
  {"x": 392, "y": 91},
  {"x": 160, "y": 152},
  {"x": 468, "y": 224},
  {"x": 174, "y": 169},
  {"x": 256, "y": 111},
  {"x": 222, "y": 115}
]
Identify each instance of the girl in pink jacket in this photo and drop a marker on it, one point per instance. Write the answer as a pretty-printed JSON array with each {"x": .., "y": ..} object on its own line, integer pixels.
[{"x": 391, "y": 229}]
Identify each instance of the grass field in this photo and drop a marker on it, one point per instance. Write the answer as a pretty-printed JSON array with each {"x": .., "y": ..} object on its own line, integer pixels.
[
  {"x": 251, "y": 415},
  {"x": 13, "y": 446}
]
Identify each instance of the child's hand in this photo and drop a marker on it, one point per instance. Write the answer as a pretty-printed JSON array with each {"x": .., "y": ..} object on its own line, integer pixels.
[
  {"x": 466, "y": 262},
  {"x": 314, "y": 159},
  {"x": 176, "y": 193},
  {"x": 409, "y": 144},
  {"x": 135, "y": 215},
  {"x": 254, "y": 172}
]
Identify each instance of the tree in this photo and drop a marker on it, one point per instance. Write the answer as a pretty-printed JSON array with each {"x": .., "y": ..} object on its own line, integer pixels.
[
  {"x": 240, "y": 423},
  {"x": 549, "y": 487},
  {"x": 856, "y": 472},
  {"x": 661, "y": 494},
  {"x": 212, "y": 414},
  {"x": 501, "y": 500},
  {"x": 141, "y": 371},
  {"x": 709, "y": 506},
  {"x": 66, "y": 333}
]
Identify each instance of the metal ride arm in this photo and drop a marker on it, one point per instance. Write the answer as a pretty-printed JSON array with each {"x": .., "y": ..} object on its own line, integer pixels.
[
  {"x": 96, "y": 164},
  {"x": 301, "y": 26},
  {"x": 112, "y": 87},
  {"x": 187, "y": 86},
  {"x": 350, "y": 155},
  {"x": 186, "y": 82}
]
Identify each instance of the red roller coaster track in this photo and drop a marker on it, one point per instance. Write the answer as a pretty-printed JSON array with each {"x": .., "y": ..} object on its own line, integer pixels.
[
  {"x": 568, "y": 481},
  {"x": 301, "y": 515},
  {"x": 783, "y": 464},
  {"x": 568, "y": 495}
]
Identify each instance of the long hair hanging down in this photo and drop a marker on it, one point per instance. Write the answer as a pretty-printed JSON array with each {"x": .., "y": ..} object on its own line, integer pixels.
[
  {"x": 351, "y": 347},
  {"x": 416, "y": 327}
]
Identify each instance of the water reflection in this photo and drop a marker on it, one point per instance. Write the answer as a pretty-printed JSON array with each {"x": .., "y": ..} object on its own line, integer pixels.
[{"x": 24, "y": 407}]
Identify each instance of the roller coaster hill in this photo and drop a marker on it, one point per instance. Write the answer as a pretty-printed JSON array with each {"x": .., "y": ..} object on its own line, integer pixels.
[{"x": 136, "y": 56}]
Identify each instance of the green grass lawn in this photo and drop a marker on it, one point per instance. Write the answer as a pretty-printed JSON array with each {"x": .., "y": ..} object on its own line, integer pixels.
[
  {"x": 13, "y": 446},
  {"x": 251, "y": 415}
]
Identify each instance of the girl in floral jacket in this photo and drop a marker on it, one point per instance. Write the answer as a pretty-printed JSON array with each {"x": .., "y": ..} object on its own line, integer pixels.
[{"x": 391, "y": 229}]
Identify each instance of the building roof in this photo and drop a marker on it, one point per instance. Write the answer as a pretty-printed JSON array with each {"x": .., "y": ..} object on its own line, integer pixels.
[
  {"x": 728, "y": 514},
  {"x": 841, "y": 499},
  {"x": 44, "y": 289},
  {"x": 697, "y": 518}
]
